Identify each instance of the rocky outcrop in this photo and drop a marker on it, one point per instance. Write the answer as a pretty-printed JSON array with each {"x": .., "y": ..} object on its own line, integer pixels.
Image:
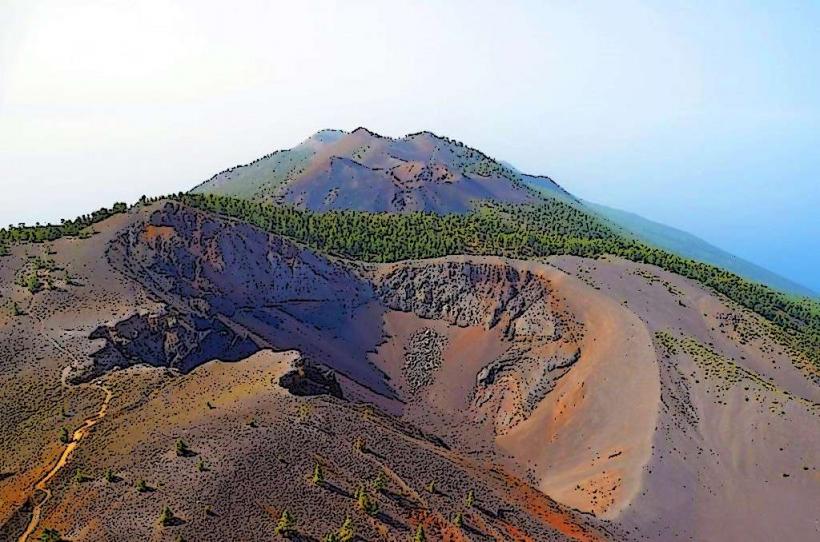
[
  {"x": 423, "y": 357},
  {"x": 471, "y": 294},
  {"x": 306, "y": 378},
  {"x": 165, "y": 339}
]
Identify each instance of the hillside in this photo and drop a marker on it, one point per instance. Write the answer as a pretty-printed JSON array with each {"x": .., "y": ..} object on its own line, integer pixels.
[
  {"x": 361, "y": 170},
  {"x": 367, "y": 172},
  {"x": 574, "y": 398},
  {"x": 690, "y": 246}
]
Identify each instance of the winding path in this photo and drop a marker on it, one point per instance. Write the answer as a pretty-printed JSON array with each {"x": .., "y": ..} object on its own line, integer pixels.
[{"x": 76, "y": 437}]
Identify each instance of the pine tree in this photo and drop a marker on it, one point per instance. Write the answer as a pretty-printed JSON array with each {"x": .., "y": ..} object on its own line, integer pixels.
[
  {"x": 65, "y": 437},
  {"x": 142, "y": 487},
  {"x": 366, "y": 504},
  {"x": 420, "y": 536},
  {"x": 469, "y": 501},
  {"x": 358, "y": 444},
  {"x": 286, "y": 526},
  {"x": 182, "y": 448},
  {"x": 318, "y": 476},
  {"x": 458, "y": 520},
  {"x": 431, "y": 487},
  {"x": 109, "y": 475},
  {"x": 50, "y": 535},
  {"x": 33, "y": 283},
  {"x": 346, "y": 531},
  {"x": 379, "y": 482},
  {"x": 166, "y": 517}
]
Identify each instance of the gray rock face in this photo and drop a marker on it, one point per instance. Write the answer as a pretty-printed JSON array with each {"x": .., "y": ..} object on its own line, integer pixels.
[
  {"x": 307, "y": 379},
  {"x": 467, "y": 294},
  {"x": 166, "y": 339}
]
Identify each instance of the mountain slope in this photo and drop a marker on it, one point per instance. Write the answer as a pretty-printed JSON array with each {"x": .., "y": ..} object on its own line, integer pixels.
[
  {"x": 364, "y": 171},
  {"x": 690, "y": 246},
  {"x": 360, "y": 170},
  {"x": 602, "y": 385}
]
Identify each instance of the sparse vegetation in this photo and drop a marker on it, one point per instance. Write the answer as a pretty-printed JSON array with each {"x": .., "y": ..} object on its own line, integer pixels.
[
  {"x": 50, "y": 535},
  {"x": 358, "y": 444},
  {"x": 305, "y": 410},
  {"x": 318, "y": 477},
  {"x": 166, "y": 517},
  {"x": 365, "y": 503},
  {"x": 286, "y": 526},
  {"x": 182, "y": 448},
  {"x": 379, "y": 482},
  {"x": 469, "y": 500},
  {"x": 346, "y": 532}
]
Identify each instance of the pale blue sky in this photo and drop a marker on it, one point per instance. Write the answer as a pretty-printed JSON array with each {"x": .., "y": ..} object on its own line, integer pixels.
[{"x": 701, "y": 115}]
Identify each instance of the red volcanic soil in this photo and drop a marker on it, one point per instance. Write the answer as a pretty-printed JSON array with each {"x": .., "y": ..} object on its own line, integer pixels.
[{"x": 577, "y": 399}]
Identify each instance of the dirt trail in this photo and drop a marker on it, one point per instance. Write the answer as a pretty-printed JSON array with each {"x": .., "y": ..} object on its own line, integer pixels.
[{"x": 76, "y": 437}]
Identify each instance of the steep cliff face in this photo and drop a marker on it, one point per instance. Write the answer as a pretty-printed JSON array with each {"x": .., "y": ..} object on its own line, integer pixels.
[{"x": 232, "y": 288}]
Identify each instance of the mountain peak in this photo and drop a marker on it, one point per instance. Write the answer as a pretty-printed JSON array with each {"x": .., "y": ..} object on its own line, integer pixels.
[{"x": 365, "y": 171}]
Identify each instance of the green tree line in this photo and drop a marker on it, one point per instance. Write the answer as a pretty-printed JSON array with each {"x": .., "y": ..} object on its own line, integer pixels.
[
  {"x": 519, "y": 231},
  {"x": 49, "y": 232}
]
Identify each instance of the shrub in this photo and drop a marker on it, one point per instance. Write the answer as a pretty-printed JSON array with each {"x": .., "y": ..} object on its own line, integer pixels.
[
  {"x": 33, "y": 283},
  {"x": 166, "y": 517},
  {"x": 366, "y": 504},
  {"x": 469, "y": 501},
  {"x": 380, "y": 482},
  {"x": 50, "y": 535},
  {"x": 305, "y": 410},
  {"x": 318, "y": 475},
  {"x": 358, "y": 444},
  {"x": 346, "y": 531},
  {"x": 286, "y": 526},
  {"x": 182, "y": 448}
]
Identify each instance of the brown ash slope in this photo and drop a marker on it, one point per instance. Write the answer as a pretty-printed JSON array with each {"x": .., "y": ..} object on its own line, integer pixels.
[
  {"x": 554, "y": 390},
  {"x": 364, "y": 171}
]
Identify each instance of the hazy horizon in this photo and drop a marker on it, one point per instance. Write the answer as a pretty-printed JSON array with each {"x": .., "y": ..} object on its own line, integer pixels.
[{"x": 698, "y": 116}]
